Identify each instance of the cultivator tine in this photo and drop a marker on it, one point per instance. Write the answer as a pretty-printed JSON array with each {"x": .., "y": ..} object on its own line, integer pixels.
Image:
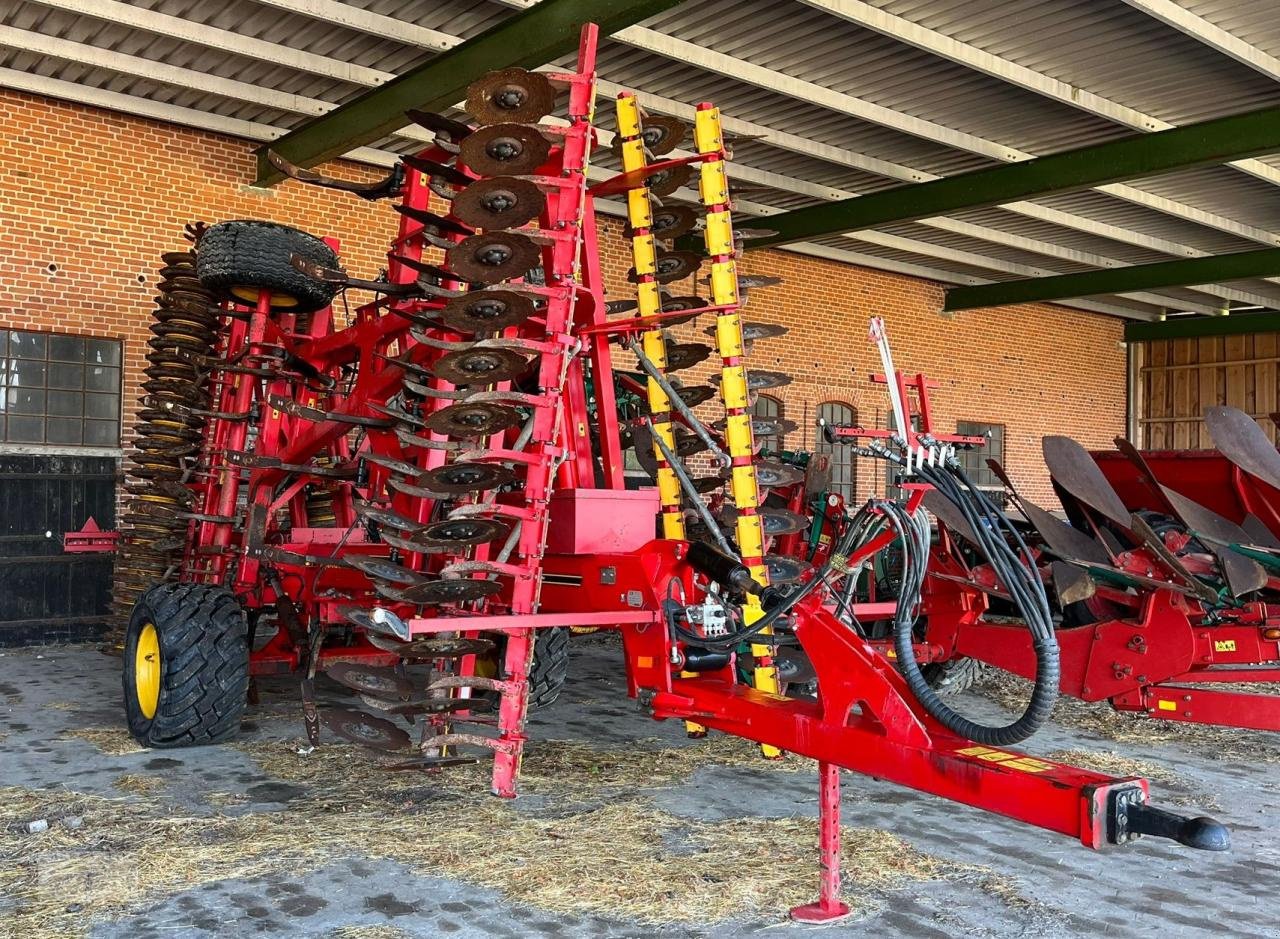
[
  {"x": 439, "y": 124},
  {"x": 432, "y": 271},
  {"x": 1075, "y": 471},
  {"x": 1239, "y": 438},
  {"x": 473, "y": 682},
  {"x": 379, "y": 189},
  {"x": 449, "y": 174},
  {"x": 505, "y": 150},
  {"x": 336, "y": 275},
  {"x": 445, "y": 226},
  {"x": 295, "y": 409}
]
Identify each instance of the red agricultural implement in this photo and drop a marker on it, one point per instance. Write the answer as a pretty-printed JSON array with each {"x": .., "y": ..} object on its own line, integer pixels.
[
  {"x": 1165, "y": 574},
  {"x": 404, "y": 491}
]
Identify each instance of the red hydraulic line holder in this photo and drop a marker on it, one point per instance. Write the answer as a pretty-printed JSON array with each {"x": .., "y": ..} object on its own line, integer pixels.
[{"x": 582, "y": 550}]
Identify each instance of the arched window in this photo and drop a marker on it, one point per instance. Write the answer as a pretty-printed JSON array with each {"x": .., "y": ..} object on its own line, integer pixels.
[
  {"x": 844, "y": 478},
  {"x": 767, "y": 406}
]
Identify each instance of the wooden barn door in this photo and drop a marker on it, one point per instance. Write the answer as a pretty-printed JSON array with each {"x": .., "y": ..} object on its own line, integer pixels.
[{"x": 1177, "y": 379}]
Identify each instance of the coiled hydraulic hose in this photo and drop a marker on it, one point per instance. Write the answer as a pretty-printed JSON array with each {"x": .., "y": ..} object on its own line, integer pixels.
[{"x": 1015, "y": 570}]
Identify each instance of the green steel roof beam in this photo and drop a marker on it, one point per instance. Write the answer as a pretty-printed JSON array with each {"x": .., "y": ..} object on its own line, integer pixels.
[
  {"x": 1217, "y": 141},
  {"x": 1182, "y": 273},
  {"x": 1193, "y": 327},
  {"x": 541, "y": 34}
]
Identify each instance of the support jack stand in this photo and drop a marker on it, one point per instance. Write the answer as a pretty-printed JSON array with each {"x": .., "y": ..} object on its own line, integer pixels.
[{"x": 828, "y": 909}]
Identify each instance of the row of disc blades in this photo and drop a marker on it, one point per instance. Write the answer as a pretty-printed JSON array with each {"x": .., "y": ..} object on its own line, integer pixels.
[{"x": 167, "y": 432}]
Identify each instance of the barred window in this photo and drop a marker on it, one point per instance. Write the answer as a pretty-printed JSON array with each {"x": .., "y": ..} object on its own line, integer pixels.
[
  {"x": 59, "y": 390},
  {"x": 768, "y": 406},
  {"x": 974, "y": 460},
  {"x": 844, "y": 476}
]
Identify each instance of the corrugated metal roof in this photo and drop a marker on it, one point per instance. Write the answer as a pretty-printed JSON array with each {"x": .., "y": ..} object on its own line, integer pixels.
[{"x": 848, "y": 106}]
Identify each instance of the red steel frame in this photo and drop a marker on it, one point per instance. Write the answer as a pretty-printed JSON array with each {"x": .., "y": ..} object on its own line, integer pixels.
[
  {"x": 864, "y": 718},
  {"x": 1149, "y": 659}
]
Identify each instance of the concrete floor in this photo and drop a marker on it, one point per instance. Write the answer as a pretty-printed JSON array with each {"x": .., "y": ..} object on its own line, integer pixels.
[{"x": 1057, "y": 887}]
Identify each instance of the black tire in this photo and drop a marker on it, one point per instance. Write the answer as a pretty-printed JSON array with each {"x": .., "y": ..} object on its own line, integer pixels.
[
  {"x": 954, "y": 676},
  {"x": 203, "y": 665},
  {"x": 550, "y": 669},
  {"x": 237, "y": 259}
]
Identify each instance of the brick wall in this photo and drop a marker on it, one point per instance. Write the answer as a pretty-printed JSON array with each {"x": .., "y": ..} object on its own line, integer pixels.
[{"x": 90, "y": 198}]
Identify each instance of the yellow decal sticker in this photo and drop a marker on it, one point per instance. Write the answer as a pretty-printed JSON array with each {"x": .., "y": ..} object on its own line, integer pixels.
[
  {"x": 1167, "y": 705},
  {"x": 1224, "y": 645},
  {"x": 1025, "y": 764}
]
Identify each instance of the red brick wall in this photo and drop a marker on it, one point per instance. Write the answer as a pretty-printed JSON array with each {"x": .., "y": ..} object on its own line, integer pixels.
[{"x": 101, "y": 195}]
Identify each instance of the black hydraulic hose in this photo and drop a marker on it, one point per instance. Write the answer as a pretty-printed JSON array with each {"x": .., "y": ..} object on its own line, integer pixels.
[{"x": 1015, "y": 570}]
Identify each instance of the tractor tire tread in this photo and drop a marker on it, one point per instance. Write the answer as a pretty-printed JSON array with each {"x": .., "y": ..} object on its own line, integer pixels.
[{"x": 248, "y": 253}]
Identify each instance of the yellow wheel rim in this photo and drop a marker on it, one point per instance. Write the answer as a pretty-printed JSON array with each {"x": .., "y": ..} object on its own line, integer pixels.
[
  {"x": 146, "y": 670},
  {"x": 250, "y": 296}
]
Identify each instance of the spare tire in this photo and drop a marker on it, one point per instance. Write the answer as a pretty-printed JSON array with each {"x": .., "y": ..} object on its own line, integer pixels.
[{"x": 237, "y": 260}]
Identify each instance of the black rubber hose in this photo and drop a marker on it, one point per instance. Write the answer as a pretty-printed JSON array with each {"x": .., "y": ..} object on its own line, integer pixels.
[{"x": 1015, "y": 570}]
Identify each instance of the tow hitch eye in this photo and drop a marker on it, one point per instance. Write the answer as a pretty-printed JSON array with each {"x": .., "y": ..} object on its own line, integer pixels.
[{"x": 1131, "y": 816}]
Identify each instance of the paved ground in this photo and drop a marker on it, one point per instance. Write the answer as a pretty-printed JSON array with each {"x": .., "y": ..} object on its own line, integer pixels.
[{"x": 989, "y": 877}]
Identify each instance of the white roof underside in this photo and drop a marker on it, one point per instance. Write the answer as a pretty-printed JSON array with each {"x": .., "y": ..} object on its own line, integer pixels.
[{"x": 852, "y": 97}]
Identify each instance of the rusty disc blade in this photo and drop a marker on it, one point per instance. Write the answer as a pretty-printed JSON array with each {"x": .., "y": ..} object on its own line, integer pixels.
[
  {"x": 482, "y": 366},
  {"x": 785, "y": 570},
  {"x": 379, "y": 681},
  {"x": 1075, "y": 471},
  {"x": 433, "y": 647},
  {"x": 373, "y": 513},
  {"x": 1244, "y": 443},
  {"x": 472, "y": 420},
  {"x": 665, "y": 182},
  {"x": 772, "y": 473},
  {"x": 493, "y": 257},
  {"x": 468, "y": 477},
  {"x": 682, "y": 355},
  {"x": 505, "y": 150},
  {"x": 463, "y": 532},
  {"x": 673, "y": 265},
  {"x": 499, "y": 202},
  {"x": 450, "y": 591},
  {"x": 389, "y": 462},
  {"x": 662, "y": 134},
  {"x": 753, "y": 331},
  {"x": 382, "y": 569},
  {"x": 705, "y": 484},
  {"x": 695, "y": 395},
  {"x": 672, "y": 221},
  {"x": 759, "y": 379},
  {"x": 487, "y": 311},
  {"x": 357, "y": 727},
  {"x": 510, "y": 94},
  {"x": 764, "y": 426},
  {"x": 687, "y": 444},
  {"x": 774, "y": 521}
]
